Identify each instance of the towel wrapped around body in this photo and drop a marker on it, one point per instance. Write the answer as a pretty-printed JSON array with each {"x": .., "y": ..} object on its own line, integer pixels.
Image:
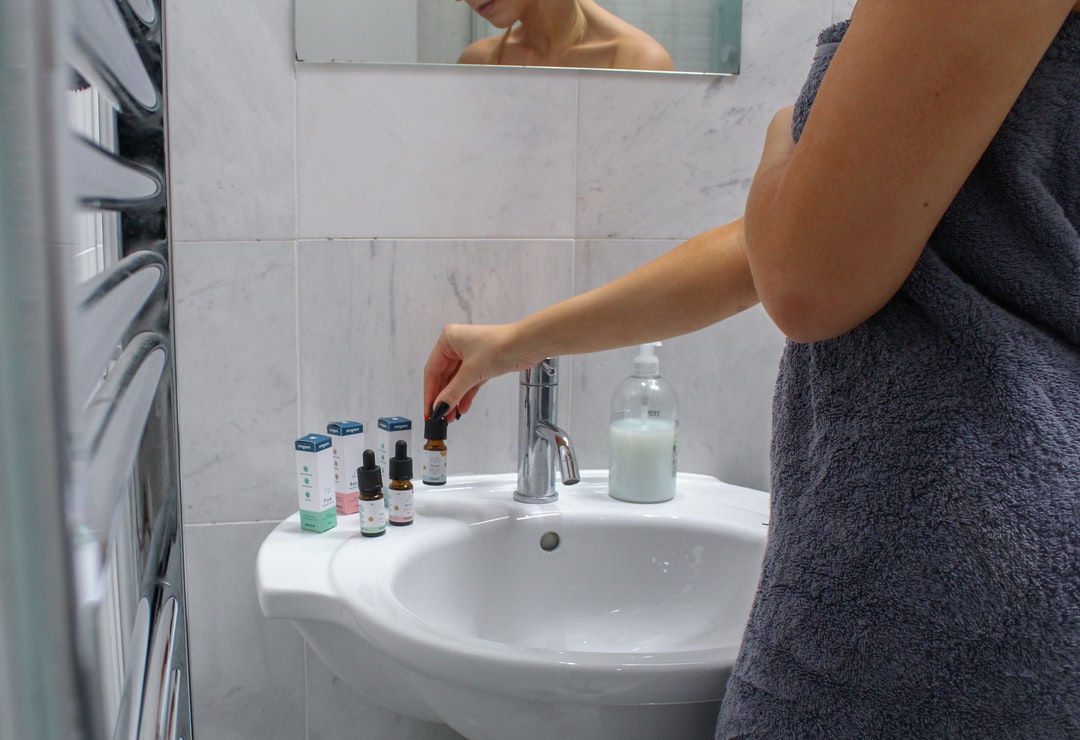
[{"x": 922, "y": 575}]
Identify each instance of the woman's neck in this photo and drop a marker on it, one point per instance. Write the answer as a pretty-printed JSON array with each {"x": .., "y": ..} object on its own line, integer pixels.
[{"x": 551, "y": 26}]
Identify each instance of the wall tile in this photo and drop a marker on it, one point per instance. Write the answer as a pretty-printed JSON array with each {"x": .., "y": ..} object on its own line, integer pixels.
[
  {"x": 247, "y": 671},
  {"x": 370, "y": 314},
  {"x": 231, "y": 114},
  {"x": 660, "y": 156},
  {"x": 410, "y": 152},
  {"x": 842, "y": 9},
  {"x": 336, "y": 711},
  {"x": 778, "y": 45},
  {"x": 236, "y": 379},
  {"x": 723, "y": 375},
  {"x": 663, "y": 157}
]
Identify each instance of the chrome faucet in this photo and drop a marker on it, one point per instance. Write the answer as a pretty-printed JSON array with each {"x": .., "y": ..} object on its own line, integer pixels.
[{"x": 539, "y": 439}]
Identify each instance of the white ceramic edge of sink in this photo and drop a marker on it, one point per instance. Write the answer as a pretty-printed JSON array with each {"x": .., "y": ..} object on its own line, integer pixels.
[{"x": 403, "y": 637}]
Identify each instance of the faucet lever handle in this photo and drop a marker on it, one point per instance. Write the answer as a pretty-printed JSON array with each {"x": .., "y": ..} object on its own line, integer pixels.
[{"x": 543, "y": 373}]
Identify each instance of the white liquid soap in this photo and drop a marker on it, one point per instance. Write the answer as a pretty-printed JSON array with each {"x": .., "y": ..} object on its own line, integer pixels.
[{"x": 644, "y": 434}]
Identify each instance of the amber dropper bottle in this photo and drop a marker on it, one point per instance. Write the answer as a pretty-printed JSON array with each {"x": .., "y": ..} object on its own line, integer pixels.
[
  {"x": 372, "y": 506},
  {"x": 434, "y": 460},
  {"x": 401, "y": 487}
]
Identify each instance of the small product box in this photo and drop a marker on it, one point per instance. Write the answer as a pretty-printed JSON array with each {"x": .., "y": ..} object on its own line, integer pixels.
[
  {"x": 391, "y": 429},
  {"x": 348, "y": 448},
  {"x": 315, "y": 482}
]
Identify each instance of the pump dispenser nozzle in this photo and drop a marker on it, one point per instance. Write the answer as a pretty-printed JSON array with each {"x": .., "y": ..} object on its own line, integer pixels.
[{"x": 647, "y": 364}]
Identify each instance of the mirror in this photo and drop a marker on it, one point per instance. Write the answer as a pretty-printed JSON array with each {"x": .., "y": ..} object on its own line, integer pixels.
[{"x": 702, "y": 36}]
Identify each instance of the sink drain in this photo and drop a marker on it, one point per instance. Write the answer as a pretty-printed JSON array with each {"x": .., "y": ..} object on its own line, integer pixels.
[{"x": 549, "y": 541}]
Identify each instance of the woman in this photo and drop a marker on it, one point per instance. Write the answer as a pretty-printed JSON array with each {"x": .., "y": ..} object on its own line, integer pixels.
[
  {"x": 562, "y": 33},
  {"x": 920, "y": 247}
]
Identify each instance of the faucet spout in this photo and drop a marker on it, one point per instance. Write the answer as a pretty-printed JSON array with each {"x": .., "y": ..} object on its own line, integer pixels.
[
  {"x": 564, "y": 448},
  {"x": 540, "y": 440}
]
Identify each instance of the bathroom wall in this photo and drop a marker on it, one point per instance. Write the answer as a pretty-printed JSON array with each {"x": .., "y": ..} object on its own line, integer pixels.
[{"x": 327, "y": 220}]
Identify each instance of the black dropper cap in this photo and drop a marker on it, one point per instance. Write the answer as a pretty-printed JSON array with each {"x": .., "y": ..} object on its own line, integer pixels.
[
  {"x": 435, "y": 429},
  {"x": 401, "y": 464},
  {"x": 369, "y": 475},
  {"x": 435, "y": 425}
]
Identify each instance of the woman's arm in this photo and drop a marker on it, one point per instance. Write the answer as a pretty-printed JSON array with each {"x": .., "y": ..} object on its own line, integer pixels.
[
  {"x": 915, "y": 92},
  {"x": 698, "y": 283}
]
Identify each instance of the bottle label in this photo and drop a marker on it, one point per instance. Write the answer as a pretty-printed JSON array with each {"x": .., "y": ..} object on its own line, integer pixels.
[
  {"x": 401, "y": 506},
  {"x": 372, "y": 516},
  {"x": 434, "y": 466}
]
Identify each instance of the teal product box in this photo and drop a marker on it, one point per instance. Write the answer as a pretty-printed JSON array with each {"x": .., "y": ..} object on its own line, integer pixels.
[
  {"x": 348, "y": 447},
  {"x": 315, "y": 482},
  {"x": 391, "y": 429}
]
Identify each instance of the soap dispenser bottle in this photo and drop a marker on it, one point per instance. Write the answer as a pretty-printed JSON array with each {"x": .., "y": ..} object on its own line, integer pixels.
[{"x": 644, "y": 434}]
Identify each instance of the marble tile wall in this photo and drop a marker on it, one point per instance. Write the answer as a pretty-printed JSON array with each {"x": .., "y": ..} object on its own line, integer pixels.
[
  {"x": 394, "y": 296},
  {"x": 327, "y": 220},
  {"x": 487, "y": 155},
  {"x": 842, "y": 9}
]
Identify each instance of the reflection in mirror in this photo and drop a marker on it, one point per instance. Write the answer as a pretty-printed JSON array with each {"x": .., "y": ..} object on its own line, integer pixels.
[
  {"x": 574, "y": 33},
  {"x": 697, "y": 35}
]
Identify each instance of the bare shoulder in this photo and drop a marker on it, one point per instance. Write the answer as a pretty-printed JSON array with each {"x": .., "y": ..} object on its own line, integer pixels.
[
  {"x": 478, "y": 52},
  {"x": 638, "y": 50}
]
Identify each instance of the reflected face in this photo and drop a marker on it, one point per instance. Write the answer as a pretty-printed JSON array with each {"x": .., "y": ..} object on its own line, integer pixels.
[{"x": 499, "y": 13}]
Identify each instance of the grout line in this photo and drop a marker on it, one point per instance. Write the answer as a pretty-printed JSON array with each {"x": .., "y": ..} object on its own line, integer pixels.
[
  {"x": 296, "y": 253},
  {"x": 391, "y": 239},
  {"x": 574, "y": 232},
  {"x": 275, "y": 522},
  {"x": 296, "y": 337},
  {"x": 307, "y": 696}
]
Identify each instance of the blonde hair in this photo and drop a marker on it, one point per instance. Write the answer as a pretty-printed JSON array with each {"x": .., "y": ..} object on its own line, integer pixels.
[{"x": 577, "y": 33}]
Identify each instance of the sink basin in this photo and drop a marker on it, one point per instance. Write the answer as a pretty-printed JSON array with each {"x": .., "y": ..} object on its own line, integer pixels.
[{"x": 585, "y": 618}]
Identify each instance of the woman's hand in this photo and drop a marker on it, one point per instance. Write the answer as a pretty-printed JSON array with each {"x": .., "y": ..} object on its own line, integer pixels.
[{"x": 464, "y": 358}]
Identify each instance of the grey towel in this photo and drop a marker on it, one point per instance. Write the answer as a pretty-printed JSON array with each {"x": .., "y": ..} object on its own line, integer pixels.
[{"x": 922, "y": 576}]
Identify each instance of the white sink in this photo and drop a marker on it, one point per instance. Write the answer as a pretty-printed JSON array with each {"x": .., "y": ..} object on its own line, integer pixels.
[{"x": 587, "y": 618}]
